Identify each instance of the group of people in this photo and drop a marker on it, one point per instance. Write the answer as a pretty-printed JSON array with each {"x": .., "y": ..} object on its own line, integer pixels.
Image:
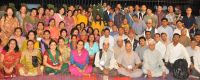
[{"x": 132, "y": 42}]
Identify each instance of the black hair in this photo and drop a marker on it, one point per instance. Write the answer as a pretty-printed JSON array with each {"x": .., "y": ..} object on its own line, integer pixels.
[
  {"x": 157, "y": 34},
  {"x": 30, "y": 41},
  {"x": 135, "y": 15},
  {"x": 61, "y": 22},
  {"x": 40, "y": 23},
  {"x": 31, "y": 31},
  {"x": 163, "y": 33},
  {"x": 46, "y": 31},
  {"x": 73, "y": 29},
  {"x": 147, "y": 32},
  {"x": 164, "y": 19},
  {"x": 81, "y": 41},
  {"x": 176, "y": 34},
  {"x": 142, "y": 38},
  {"x": 106, "y": 29},
  {"x": 179, "y": 21},
  {"x": 34, "y": 9},
  {"x": 12, "y": 11},
  {"x": 19, "y": 29},
  {"x": 127, "y": 42},
  {"x": 51, "y": 20},
  {"x": 6, "y": 48},
  {"x": 73, "y": 36},
  {"x": 89, "y": 37},
  {"x": 89, "y": 29},
  {"x": 60, "y": 38},
  {"x": 62, "y": 31}
]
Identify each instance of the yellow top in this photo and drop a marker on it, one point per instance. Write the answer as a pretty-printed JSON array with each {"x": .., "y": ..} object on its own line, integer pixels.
[
  {"x": 82, "y": 18},
  {"x": 98, "y": 25},
  {"x": 24, "y": 45}
]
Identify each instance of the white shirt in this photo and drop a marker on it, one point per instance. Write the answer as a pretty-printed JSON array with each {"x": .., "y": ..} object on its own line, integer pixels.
[
  {"x": 161, "y": 48},
  {"x": 103, "y": 39},
  {"x": 196, "y": 58},
  {"x": 174, "y": 53},
  {"x": 106, "y": 56},
  {"x": 168, "y": 30},
  {"x": 191, "y": 51},
  {"x": 179, "y": 32}
]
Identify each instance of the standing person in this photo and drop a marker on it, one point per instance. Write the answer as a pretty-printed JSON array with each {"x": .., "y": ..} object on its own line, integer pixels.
[
  {"x": 118, "y": 18},
  {"x": 79, "y": 60},
  {"x": 151, "y": 16},
  {"x": 69, "y": 21},
  {"x": 195, "y": 50},
  {"x": 30, "y": 22},
  {"x": 10, "y": 57},
  {"x": 82, "y": 18},
  {"x": 184, "y": 39},
  {"x": 153, "y": 65},
  {"x": 131, "y": 38},
  {"x": 180, "y": 26},
  {"x": 129, "y": 63},
  {"x": 143, "y": 11},
  {"x": 160, "y": 14},
  {"x": 150, "y": 27},
  {"x": 106, "y": 37},
  {"x": 59, "y": 16},
  {"x": 40, "y": 15},
  {"x": 52, "y": 60},
  {"x": 21, "y": 14},
  {"x": 98, "y": 23},
  {"x": 54, "y": 31},
  {"x": 7, "y": 24}
]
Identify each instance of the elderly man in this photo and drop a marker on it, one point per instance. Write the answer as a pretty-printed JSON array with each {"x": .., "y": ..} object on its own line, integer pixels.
[
  {"x": 153, "y": 66},
  {"x": 119, "y": 48},
  {"x": 105, "y": 62},
  {"x": 129, "y": 63},
  {"x": 131, "y": 38}
]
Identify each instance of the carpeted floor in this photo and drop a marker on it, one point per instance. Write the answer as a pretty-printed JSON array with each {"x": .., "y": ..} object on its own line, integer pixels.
[{"x": 70, "y": 77}]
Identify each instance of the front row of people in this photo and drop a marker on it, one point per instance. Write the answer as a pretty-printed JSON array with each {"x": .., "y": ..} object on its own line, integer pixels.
[{"x": 30, "y": 62}]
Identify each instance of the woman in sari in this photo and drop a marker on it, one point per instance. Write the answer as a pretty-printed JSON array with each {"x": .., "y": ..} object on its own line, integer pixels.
[
  {"x": 47, "y": 16},
  {"x": 18, "y": 36},
  {"x": 10, "y": 57},
  {"x": 69, "y": 20},
  {"x": 82, "y": 18},
  {"x": 80, "y": 61},
  {"x": 21, "y": 14},
  {"x": 96, "y": 35},
  {"x": 62, "y": 25},
  {"x": 40, "y": 15},
  {"x": 73, "y": 42},
  {"x": 64, "y": 50},
  {"x": 83, "y": 35},
  {"x": 39, "y": 30},
  {"x": 31, "y": 60},
  {"x": 59, "y": 16},
  {"x": 7, "y": 24},
  {"x": 92, "y": 47},
  {"x": 53, "y": 61},
  {"x": 64, "y": 34},
  {"x": 75, "y": 13},
  {"x": 30, "y": 22},
  {"x": 30, "y": 36},
  {"x": 44, "y": 43},
  {"x": 53, "y": 29}
]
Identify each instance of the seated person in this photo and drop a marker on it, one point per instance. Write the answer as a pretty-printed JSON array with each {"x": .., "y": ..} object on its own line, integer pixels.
[
  {"x": 129, "y": 62},
  {"x": 196, "y": 59},
  {"x": 153, "y": 66},
  {"x": 105, "y": 62},
  {"x": 80, "y": 61},
  {"x": 10, "y": 56},
  {"x": 31, "y": 60},
  {"x": 52, "y": 60}
]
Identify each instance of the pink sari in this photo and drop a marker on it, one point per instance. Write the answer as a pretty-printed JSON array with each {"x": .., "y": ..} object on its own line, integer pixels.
[
  {"x": 80, "y": 61},
  {"x": 69, "y": 22}
]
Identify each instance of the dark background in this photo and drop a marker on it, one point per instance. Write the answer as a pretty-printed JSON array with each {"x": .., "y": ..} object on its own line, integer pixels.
[{"x": 195, "y": 4}]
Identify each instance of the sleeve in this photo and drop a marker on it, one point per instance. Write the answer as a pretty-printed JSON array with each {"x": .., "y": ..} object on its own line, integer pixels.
[
  {"x": 101, "y": 42},
  {"x": 187, "y": 57},
  {"x": 166, "y": 58},
  {"x": 137, "y": 58},
  {"x": 196, "y": 65},
  {"x": 145, "y": 61},
  {"x": 97, "y": 61},
  {"x": 96, "y": 48}
]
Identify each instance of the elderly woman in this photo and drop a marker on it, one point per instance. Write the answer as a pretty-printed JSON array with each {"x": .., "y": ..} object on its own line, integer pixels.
[
  {"x": 153, "y": 66},
  {"x": 10, "y": 57},
  {"x": 80, "y": 61},
  {"x": 52, "y": 60},
  {"x": 31, "y": 59},
  {"x": 129, "y": 62}
]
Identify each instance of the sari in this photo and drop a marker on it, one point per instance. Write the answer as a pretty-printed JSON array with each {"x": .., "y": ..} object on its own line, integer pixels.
[
  {"x": 65, "y": 54},
  {"x": 82, "y": 18},
  {"x": 30, "y": 24},
  {"x": 53, "y": 61},
  {"x": 58, "y": 18},
  {"x": 69, "y": 22},
  {"x": 54, "y": 33},
  {"x": 10, "y": 59},
  {"x": 80, "y": 62},
  {"x": 26, "y": 60}
]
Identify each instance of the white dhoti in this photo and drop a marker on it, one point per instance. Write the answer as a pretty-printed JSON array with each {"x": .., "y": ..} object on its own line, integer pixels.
[{"x": 133, "y": 74}]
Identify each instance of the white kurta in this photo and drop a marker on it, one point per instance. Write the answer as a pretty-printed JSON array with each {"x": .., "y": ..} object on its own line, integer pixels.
[
  {"x": 161, "y": 48},
  {"x": 174, "y": 53},
  {"x": 110, "y": 40},
  {"x": 153, "y": 62}
]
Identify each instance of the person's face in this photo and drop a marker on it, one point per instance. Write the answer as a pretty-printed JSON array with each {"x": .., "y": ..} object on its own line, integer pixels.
[
  {"x": 197, "y": 38},
  {"x": 120, "y": 42},
  {"x": 51, "y": 12},
  {"x": 189, "y": 11},
  {"x": 96, "y": 32},
  {"x": 159, "y": 9},
  {"x": 105, "y": 46},
  {"x": 40, "y": 26},
  {"x": 69, "y": 13},
  {"x": 121, "y": 31},
  {"x": 149, "y": 11},
  {"x": 137, "y": 7},
  {"x": 107, "y": 33},
  {"x": 164, "y": 23},
  {"x": 75, "y": 32},
  {"x": 156, "y": 38},
  {"x": 170, "y": 9},
  {"x": 98, "y": 17},
  {"x": 193, "y": 43},
  {"x": 125, "y": 21},
  {"x": 148, "y": 35},
  {"x": 184, "y": 32},
  {"x": 47, "y": 12},
  {"x": 149, "y": 24},
  {"x": 80, "y": 45},
  {"x": 12, "y": 45},
  {"x": 41, "y": 11},
  {"x": 152, "y": 46},
  {"x": 46, "y": 35},
  {"x": 33, "y": 13},
  {"x": 142, "y": 42},
  {"x": 143, "y": 8},
  {"x": 23, "y": 10},
  {"x": 74, "y": 39},
  {"x": 9, "y": 12},
  {"x": 52, "y": 46},
  {"x": 108, "y": 7},
  {"x": 30, "y": 45},
  {"x": 128, "y": 47},
  {"x": 18, "y": 32},
  {"x": 131, "y": 8},
  {"x": 31, "y": 36},
  {"x": 164, "y": 37},
  {"x": 61, "y": 11},
  {"x": 176, "y": 39},
  {"x": 61, "y": 42},
  {"x": 91, "y": 38},
  {"x": 131, "y": 35},
  {"x": 52, "y": 23},
  {"x": 110, "y": 23},
  {"x": 62, "y": 25},
  {"x": 119, "y": 6},
  {"x": 83, "y": 12},
  {"x": 179, "y": 24},
  {"x": 64, "y": 34}
]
